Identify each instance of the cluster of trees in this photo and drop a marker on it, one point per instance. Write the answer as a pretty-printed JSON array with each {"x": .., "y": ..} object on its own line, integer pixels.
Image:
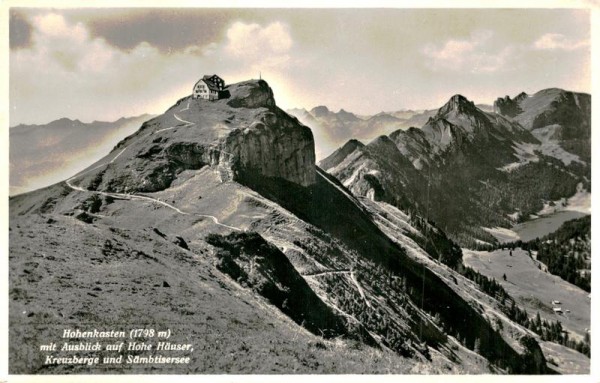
[
  {"x": 552, "y": 182},
  {"x": 515, "y": 313},
  {"x": 435, "y": 242},
  {"x": 487, "y": 285},
  {"x": 567, "y": 252},
  {"x": 480, "y": 195},
  {"x": 570, "y": 267},
  {"x": 553, "y": 332},
  {"x": 92, "y": 204}
]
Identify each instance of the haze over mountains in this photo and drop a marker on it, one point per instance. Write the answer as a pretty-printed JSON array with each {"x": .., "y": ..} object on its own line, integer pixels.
[
  {"x": 213, "y": 219},
  {"x": 332, "y": 129},
  {"x": 41, "y": 155}
]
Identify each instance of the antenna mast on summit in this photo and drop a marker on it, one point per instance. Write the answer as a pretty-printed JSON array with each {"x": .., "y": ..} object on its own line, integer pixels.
[{"x": 259, "y": 75}]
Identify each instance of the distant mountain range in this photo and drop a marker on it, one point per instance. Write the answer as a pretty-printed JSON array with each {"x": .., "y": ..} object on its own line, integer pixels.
[
  {"x": 332, "y": 129},
  {"x": 468, "y": 169},
  {"x": 41, "y": 155}
]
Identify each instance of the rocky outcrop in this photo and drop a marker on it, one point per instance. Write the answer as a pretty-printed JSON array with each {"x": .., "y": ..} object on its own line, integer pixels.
[
  {"x": 457, "y": 104},
  {"x": 507, "y": 106},
  {"x": 250, "y": 94},
  {"x": 254, "y": 263}
]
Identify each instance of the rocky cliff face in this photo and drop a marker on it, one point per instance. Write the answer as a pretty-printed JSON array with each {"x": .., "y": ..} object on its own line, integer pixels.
[
  {"x": 244, "y": 132},
  {"x": 507, "y": 106},
  {"x": 275, "y": 146}
]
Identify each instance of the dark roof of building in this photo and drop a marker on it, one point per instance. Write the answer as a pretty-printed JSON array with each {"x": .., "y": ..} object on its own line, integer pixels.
[{"x": 208, "y": 79}]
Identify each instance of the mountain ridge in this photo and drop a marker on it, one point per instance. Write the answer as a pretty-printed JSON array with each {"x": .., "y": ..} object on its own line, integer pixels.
[
  {"x": 220, "y": 203},
  {"x": 459, "y": 148}
]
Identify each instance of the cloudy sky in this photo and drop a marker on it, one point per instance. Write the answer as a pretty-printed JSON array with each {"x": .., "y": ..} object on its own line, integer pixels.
[{"x": 102, "y": 64}]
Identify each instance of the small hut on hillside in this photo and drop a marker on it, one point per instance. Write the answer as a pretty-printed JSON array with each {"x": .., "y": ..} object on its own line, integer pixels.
[{"x": 209, "y": 87}]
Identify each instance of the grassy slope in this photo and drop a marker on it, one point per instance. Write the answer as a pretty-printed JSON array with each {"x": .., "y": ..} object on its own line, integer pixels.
[
  {"x": 533, "y": 288},
  {"x": 63, "y": 271}
]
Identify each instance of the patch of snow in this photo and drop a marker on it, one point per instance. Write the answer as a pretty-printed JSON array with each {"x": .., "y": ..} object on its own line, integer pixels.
[
  {"x": 418, "y": 164},
  {"x": 550, "y": 146},
  {"x": 525, "y": 153},
  {"x": 512, "y": 166},
  {"x": 550, "y": 208},
  {"x": 581, "y": 201}
]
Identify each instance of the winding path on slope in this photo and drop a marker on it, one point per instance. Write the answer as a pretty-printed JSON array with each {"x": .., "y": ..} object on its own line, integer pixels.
[
  {"x": 360, "y": 290},
  {"x": 327, "y": 272},
  {"x": 130, "y": 197}
]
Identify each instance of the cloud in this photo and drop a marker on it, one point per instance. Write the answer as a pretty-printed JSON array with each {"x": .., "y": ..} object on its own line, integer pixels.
[
  {"x": 474, "y": 55},
  {"x": 262, "y": 46},
  {"x": 169, "y": 30},
  {"x": 557, "y": 41},
  {"x": 54, "y": 25}
]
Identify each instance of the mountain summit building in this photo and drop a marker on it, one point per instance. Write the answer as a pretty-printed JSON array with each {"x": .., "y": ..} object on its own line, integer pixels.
[{"x": 209, "y": 87}]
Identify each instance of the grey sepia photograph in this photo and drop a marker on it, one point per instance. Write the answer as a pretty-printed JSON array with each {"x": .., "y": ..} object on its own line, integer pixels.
[{"x": 216, "y": 191}]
